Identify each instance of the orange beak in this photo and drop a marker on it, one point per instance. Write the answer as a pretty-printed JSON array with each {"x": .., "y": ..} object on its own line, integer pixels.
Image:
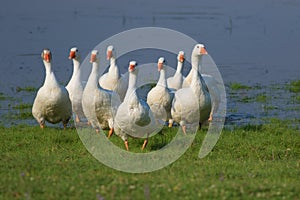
[
  {"x": 47, "y": 57},
  {"x": 72, "y": 55},
  {"x": 159, "y": 66},
  {"x": 203, "y": 51},
  {"x": 93, "y": 58},
  {"x": 181, "y": 58},
  {"x": 131, "y": 68},
  {"x": 108, "y": 55}
]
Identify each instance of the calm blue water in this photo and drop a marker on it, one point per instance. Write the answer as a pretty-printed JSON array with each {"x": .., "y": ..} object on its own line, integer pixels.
[{"x": 252, "y": 42}]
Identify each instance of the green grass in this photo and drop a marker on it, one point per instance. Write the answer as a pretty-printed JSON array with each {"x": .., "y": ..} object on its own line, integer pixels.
[
  {"x": 26, "y": 89},
  {"x": 22, "y": 106},
  {"x": 294, "y": 86},
  {"x": 21, "y": 115},
  {"x": 5, "y": 97},
  {"x": 246, "y": 99},
  {"x": 250, "y": 162},
  {"x": 238, "y": 86},
  {"x": 262, "y": 98},
  {"x": 296, "y": 99}
]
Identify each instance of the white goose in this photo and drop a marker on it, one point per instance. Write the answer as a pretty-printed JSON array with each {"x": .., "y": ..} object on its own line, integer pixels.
[
  {"x": 52, "y": 103},
  {"x": 213, "y": 89},
  {"x": 99, "y": 105},
  {"x": 175, "y": 82},
  {"x": 189, "y": 102},
  {"x": 112, "y": 80},
  {"x": 160, "y": 97},
  {"x": 74, "y": 86},
  {"x": 133, "y": 115}
]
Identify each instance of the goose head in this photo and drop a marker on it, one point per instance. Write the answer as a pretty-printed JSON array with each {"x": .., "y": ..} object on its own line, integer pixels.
[
  {"x": 181, "y": 57},
  {"x": 132, "y": 65},
  {"x": 46, "y": 55},
  {"x": 110, "y": 52},
  {"x": 160, "y": 63},
  {"x": 74, "y": 53},
  {"x": 94, "y": 55},
  {"x": 199, "y": 50}
]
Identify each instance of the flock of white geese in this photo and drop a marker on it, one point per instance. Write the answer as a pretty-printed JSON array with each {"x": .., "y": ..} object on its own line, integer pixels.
[{"x": 111, "y": 102}]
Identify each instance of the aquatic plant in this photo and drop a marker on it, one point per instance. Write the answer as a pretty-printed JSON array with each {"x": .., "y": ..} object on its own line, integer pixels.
[
  {"x": 26, "y": 89},
  {"x": 262, "y": 98},
  {"x": 238, "y": 86},
  {"x": 22, "y": 106},
  {"x": 294, "y": 86}
]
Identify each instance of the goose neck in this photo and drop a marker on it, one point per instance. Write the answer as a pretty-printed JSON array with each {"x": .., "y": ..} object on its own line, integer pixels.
[
  {"x": 179, "y": 67},
  {"x": 195, "y": 61},
  {"x": 76, "y": 66},
  {"x": 48, "y": 67},
  {"x": 113, "y": 68},
  {"x": 132, "y": 80},
  {"x": 162, "y": 78},
  {"x": 93, "y": 78},
  {"x": 131, "y": 86},
  {"x": 112, "y": 61}
]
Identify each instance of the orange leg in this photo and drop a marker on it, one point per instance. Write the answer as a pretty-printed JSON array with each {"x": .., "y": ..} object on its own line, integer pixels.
[
  {"x": 110, "y": 132},
  {"x": 42, "y": 126},
  {"x": 126, "y": 145},
  {"x": 170, "y": 123},
  {"x": 145, "y": 142},
  {"x": 65, "y": 126},
  {"x": 184, "y": 129},
  {"x": 210, "y": 118},
  {"x": 77, "y": 119}
]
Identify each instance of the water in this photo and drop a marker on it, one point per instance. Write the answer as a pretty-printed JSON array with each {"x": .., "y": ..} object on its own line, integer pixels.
[{"x": 252, "y": 42}]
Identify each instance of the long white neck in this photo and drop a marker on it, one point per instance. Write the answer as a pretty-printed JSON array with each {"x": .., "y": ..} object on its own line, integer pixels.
[
  {"x": 131, "y": 85},
  {"x": 179, "y": 67},
  {"x": 112, "y": 61},
  {"x": 50, "y": 78},
  {"x": 197, "y": 83},
  {"x": 113, "y": 69},
  {"x": 162, "y": 78},
  {"x": 48, "y": 67},
  {"x": 94, "y": 76},
  {"x": 195, "y": 61},
  {"x": 76, "y": 66}
]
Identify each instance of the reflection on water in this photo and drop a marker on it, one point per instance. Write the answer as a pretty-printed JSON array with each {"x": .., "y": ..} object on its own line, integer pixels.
[{"x": 252, "y": 42}]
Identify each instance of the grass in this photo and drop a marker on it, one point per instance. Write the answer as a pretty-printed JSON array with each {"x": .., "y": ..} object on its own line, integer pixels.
[
  {"x": 262, "y": 98},
  {"x": 26, "y": 89},
  {"x": 22, "y": 106},
  {"x": 294, "y": 86},
  {"x": 249, "y": 162},
  {"x": 246, "y": 99},
  {"x": 296, "y": 99},
  {"x": 20, "y": 115},
  {"x": 5, "y": 97},
  {"x": 238, "y": 86}
]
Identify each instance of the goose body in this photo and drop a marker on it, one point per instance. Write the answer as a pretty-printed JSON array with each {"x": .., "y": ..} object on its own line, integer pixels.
[
  {"x": 192, "y": 105},
  {"x": 99, "y": 105},
  {"x": 175, "y": 82},
  {"x": 133, "y": 115},
  {"x": 213, "y": 89},
  {"x": 113, "y": 80},
  {"x": 160, "y": 97},
  {"x": 52, "y": 103},
  {"x": 74, "y": 86}
]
